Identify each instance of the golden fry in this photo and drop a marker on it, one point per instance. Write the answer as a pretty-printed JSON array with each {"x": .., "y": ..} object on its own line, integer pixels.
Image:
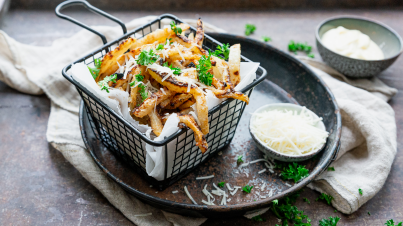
[
  {"x": 190, "y": 122},
  {"x": 234, "y": 63},
  {"x": 149, "y": 104},
  {"x": 155, "y": 122}
]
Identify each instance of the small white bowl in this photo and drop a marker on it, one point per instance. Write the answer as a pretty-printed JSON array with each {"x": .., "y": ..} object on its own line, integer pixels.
[{"x": 277, "y": 155}]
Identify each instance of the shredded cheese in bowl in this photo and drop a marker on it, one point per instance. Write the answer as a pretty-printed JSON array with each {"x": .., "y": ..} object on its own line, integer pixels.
[{"x": 292, "y": 131}]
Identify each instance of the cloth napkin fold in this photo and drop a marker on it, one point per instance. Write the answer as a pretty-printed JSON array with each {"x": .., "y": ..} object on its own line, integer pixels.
[{"x": 368, "y": 135}]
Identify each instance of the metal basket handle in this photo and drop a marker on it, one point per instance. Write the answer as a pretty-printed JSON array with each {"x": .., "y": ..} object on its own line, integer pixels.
[{"x": 91, "y": 8}]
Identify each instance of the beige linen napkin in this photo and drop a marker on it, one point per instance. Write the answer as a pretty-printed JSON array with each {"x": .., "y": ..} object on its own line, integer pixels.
[{"x": 368, "y": 136}]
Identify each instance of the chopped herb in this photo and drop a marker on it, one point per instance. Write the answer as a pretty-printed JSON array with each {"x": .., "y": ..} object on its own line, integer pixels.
[
  {"x": 221, "y": 184},
  {"x": 392, "y": 223},
  {"x": 169, "y": 41},
  {"x": 160, "y": 47},
  {"x": 327, "y": 198},
  {"x": 360, "y": 191},
  {"x": 95, "y": 71},
  {"x": 247, "y": 188},
  {"x": 296, "y": 46},
  {"x": 332, "y": 221},
  {"x": 249, "y": 29},
  {"x": 222, "y": 50},
  {"x": 142, "y": 87},
  {"x": 292, "y": 171},
  {"x": 369, "y": 213},
  {"x": 288, "y": 213},
  {"x": 330, "y": 169},
  {"x": 275, "y": 201},
  {"x": 239, "y": 160},
  {"x": 175, "y": 29},
  {"x": 335, "y": 211},
  {"x": 104, "y": 84},
  {"x": 254, "y": 200},
  {"x": 307, "y": 201},
  {"x": 147, "y": 57},
  {"x": 175, "y": 70},
  {"x": 266, "y": 39},
  {"x": 202, "y": 68},
  {"x": 258, "y": 218}
]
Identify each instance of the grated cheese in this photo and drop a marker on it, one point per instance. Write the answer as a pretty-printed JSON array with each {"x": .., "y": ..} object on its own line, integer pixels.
[
  {"x": 205, "y": 177},
  {"x": 143, "y": 215},
  {"x": 288, "y": 132},
  {"x": 229, "y": 187},
  {"x": 162, "y": 90},
  {"x": 174, "y": 192},
  {"x": 189, "y": 196},
  {"x": 289, "y": 185},
  {"x": 271, "y": 193},
  {"x": 263, "y": 186},
  {"x": 261, "y": 171}
]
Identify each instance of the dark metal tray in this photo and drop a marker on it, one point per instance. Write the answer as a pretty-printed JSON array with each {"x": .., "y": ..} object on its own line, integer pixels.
[{"x": 299, "y": 85}]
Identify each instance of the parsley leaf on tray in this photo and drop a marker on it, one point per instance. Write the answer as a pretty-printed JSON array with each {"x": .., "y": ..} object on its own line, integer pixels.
[
  {"x": 292, "y": 171},
  {"x": 288, "y": 213},
  {"x": 258, "y": 218},
  {"x": 307, "y": 201},
  {"x": 332, "y": 221},
  {"x": 104, "y": 84},
  {"x": 239, "y": 159},
  {"x": 331, "y": 169},
  {"x": 221, "y": 184},
  {"x": 392, "y": 223},
  {"x": 266, "y": 39},
  {"x": 249, "y": 29},
  {"x": 247, "y": 188},
  {"x": 302, "y": 47}
]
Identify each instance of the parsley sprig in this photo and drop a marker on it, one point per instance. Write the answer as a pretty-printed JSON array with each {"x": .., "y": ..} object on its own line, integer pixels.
[
  {"x": 307, "y": 200},
  {"x": 160, "y": 47},
  {"x": 360, "y": 191},
  {"x": 287, "y": 212},
  {"x": 327, "y": 198},
  {"x": 104, "y": 84},
  {"x": 222, "y": 50},
  {"x": 292, "y": 171},
  {"x": 247, "y": 188},
  {"x": 332, "y": 221},
  {"x": 202, "y": 68},
  {"x": 302, "y": 47},
  {"x": 249, "y": 29},
  {"x": 266, "y": 38},
  {"x": 142, "y": 88},
  {"x": 95, "y": 70},
  {"x": 392, "y": 223},
  {"x": 175, "y": 70},
  {"x": 175, "y": 29},
  {"x": 331, "y": 169},
  {"x": 147, "y": 57},
  {"x": 221, "y": 184},
  {"x": 239, "y": 159},
  {"x": 258, "y": 218}
]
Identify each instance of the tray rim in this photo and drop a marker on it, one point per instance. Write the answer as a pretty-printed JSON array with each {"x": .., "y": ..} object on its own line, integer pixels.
[{"x": 245, "y": 206}]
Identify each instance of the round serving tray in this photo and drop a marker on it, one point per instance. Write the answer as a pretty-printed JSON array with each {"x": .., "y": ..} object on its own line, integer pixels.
[{"x": 298, "y": 84}]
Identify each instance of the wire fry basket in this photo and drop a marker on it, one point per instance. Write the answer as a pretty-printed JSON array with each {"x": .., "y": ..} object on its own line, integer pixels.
[{"x": 126, "y": 142}]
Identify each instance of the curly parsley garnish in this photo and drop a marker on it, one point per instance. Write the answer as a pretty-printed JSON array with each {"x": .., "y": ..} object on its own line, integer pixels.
[
  {"x": 175, "y": 29},
  {"x": 239, "y": 160},
  {"x": 303, "y": 47},
  {"x": 202, "y": 68},
  {"x": 266, "y": 39},
  {"x": 222, "y": 50},
  {"x": 142, "y": 87},
  {"x": 307, "y": 201},
  {"x": 332, "y": 221},
  {"x": 249, "y": 29},
  {"x": 104, "y": 83},
  {"x": 360, "y": 191},
  {"x": 147, "y": 57},
  {"x": 258, "y": 218},
  {"x": 331, "y": 169},
  {"x": 160, "y": 47},
  {"x": 95, "y": 71},
  {"x": 221, "y": 184},
  {"x": 175, "y": 70},
  {"x": 327, "y": 198},
  {"x": 247, "y": 188},
  {"x": 293, "y": 171},
  {"x": 392, "y": 223},
  {"x": 288, "y": 213}
]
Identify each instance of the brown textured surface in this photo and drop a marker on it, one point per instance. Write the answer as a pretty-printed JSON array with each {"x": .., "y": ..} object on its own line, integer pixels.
[{"x": 39, "y": 187}]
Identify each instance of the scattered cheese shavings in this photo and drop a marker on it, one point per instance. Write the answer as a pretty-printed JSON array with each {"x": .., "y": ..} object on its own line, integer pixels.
[
  {"x": 271, "y": 171},
  {"x": 289, "y": 185},
  {"x": 189, "y": 196},
  {"x": 174, "y": 192},
  {"x": 263, "y": 186},
  {"x": 162, "y": 89},
  {"x": 228, "y": 200},
  {"x": 229, "y": 187},
  {"x": 203, "y": 178},
  {"x": 261, "y": 171},
  {"x": 271, "y": 193},
  {"x": 262, "y": 197},
  {"x": 143, "y": 215},
  {"x": 288, "y": 132}
]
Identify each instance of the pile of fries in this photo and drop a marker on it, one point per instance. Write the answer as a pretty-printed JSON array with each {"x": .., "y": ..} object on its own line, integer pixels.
[{"x": 168, "y": 72}]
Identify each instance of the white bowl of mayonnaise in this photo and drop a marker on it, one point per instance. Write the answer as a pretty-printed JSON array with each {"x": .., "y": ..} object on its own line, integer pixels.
[{"x": 356, "y": 46}]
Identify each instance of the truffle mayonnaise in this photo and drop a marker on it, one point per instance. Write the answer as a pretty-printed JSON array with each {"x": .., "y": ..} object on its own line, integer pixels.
[{"x": 352, "y": 43}]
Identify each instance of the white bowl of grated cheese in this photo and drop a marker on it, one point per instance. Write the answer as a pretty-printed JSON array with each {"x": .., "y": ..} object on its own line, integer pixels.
[{"x": 288, "y": 132}]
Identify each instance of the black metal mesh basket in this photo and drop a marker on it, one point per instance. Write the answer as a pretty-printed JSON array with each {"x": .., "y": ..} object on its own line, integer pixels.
[{"x": 127, "y": 143}]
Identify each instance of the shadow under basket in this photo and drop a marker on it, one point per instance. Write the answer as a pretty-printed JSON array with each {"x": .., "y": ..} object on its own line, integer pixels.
[{"x": 180, "y": 153}]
